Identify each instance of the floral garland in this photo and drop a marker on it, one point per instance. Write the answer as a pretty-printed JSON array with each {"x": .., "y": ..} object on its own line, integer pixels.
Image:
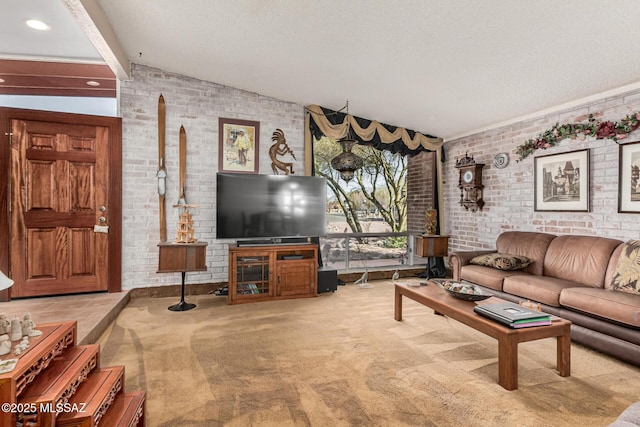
[{"x": 600, "y": 130}]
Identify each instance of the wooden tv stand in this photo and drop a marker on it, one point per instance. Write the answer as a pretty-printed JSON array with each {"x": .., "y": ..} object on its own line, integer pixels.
[{"x": 272, "y": 272}]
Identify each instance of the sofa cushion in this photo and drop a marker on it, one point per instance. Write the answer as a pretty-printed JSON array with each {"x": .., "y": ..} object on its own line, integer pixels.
[
  {"x": 537, "y": 288},
  {"x": 502, "y": 261},
  {"x": 580, "y": 259},
  {"x": 486, "y": 276},
  {"x": 613, "y": 264},
  {"x": 532, "y": 245},
  {"x": 606, "y": 303},
  {"x": 627, "y": 274}
]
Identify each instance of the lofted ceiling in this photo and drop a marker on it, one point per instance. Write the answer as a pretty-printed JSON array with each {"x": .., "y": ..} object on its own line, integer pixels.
[{"x": 448, "y": 68}]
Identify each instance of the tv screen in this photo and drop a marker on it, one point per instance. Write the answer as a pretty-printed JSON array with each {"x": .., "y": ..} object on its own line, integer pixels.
[{"x": 270, "y": 206}]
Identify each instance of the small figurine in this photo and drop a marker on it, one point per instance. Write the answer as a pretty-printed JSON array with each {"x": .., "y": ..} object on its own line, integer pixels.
[
  {"x": 530, "y": 305},
  {"x": 28, "y": 327},
  {"x": 24, "y": 344},
  {"x": 16, "y": 329},
  {"x": 431, "y": 222},
  {"x": 4, "y": 324},
  {"x": 5, "y": 347}
]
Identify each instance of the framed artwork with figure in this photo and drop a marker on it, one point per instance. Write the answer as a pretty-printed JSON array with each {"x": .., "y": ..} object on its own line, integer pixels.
[
  {"x": 238, "y": 145},
  {"x": 629, "y": 178},
  {"x": 562, "y": 182}
]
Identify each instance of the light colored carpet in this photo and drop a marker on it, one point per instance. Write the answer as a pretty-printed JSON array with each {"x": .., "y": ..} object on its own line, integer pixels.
[{"x": 342, "y": 360}]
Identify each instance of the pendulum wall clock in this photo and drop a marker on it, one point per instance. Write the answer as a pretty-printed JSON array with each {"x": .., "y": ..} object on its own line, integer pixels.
[{"x": 470, "y": 183}]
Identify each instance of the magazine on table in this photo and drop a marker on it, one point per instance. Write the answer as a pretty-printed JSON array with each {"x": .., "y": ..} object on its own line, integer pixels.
[
  {"x": 513, "y": 315},
  {"x": 530, "y": 324}
]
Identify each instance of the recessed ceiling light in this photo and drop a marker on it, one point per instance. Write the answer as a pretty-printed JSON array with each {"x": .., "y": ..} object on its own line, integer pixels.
[
  {"x": 1, "y": 80},
  {"x": 36, "y": 24},
  {"x": 93, "y": 83}
]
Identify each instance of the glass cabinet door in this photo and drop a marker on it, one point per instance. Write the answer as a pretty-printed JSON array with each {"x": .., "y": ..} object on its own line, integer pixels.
[{"x": 252, "y": 275}]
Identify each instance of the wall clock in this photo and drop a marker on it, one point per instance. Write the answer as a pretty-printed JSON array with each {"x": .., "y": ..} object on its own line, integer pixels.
[
  {"x": 501, "y": 160},
  {"x": 470, "y": 183}
]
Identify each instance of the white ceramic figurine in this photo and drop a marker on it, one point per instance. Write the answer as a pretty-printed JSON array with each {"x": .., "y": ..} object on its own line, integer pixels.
[
  {"x": 28, "y": 327},
  {"x": 4, "y": 324},
  {"x": 16, "y": 329}
]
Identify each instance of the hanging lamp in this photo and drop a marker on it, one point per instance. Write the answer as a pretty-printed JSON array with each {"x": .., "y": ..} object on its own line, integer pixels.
[{"x": 347, "y": 162}]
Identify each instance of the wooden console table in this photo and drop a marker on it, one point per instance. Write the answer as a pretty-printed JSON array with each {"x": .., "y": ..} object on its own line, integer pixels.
[
  {"x": 182, "y": 257},
  {"x": 55, "y": 372}
]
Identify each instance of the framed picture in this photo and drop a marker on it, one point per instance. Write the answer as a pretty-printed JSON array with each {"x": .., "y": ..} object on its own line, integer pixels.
[
  {"x": 238, "y": 145},
  {"x": 562, "y": 182},
  {"x": 629, "y": 178}
]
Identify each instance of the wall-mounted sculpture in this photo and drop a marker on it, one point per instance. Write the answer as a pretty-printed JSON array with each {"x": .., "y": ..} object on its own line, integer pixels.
[{"x": 280, "y": 148}]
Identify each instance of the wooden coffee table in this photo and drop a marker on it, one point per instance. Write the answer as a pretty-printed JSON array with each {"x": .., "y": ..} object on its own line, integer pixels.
[{"x": 435, "y": 297}]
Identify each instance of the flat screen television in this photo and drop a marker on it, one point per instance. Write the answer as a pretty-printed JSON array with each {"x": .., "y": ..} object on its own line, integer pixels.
[{"x": 270, "y": 206}]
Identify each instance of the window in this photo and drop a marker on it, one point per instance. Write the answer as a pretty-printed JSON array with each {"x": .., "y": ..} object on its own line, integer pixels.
[{"x": 373, "y": 203}]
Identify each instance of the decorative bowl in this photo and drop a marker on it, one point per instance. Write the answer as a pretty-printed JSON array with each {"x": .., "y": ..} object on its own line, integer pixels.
[{"x": 464, "y": 291}]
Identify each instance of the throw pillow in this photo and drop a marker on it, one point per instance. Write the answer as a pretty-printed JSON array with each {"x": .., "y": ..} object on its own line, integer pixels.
[
  {"x": 627, "y": 275},
  {"x": 502, "y": 261}
]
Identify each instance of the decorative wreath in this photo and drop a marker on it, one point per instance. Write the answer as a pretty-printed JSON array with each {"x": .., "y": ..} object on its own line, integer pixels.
[{"x": 597, "y": 129}]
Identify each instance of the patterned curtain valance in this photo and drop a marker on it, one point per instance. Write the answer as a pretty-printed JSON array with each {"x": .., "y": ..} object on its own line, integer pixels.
[{"x": 333, "y": 124}]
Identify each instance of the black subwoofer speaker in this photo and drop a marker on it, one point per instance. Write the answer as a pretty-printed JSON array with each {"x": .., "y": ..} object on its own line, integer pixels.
[{"x": 327, "y": 279}]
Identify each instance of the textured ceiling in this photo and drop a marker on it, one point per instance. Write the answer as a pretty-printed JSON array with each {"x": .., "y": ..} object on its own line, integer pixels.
[{"x": 443, "y": 67}]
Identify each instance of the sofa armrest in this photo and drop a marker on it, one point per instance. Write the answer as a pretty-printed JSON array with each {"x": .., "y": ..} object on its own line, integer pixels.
[{"x": 458, "y": 259}]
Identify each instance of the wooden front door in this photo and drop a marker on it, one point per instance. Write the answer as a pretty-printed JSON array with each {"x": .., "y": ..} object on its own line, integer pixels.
[{"x": 64, "y": 215}]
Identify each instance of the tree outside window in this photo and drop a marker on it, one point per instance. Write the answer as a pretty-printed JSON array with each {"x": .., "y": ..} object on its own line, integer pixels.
[{"x": 374, "y": 201}]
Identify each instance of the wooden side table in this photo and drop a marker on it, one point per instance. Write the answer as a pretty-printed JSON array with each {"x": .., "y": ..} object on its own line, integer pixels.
[
  {"x": 431, "y": 246},
  {"x": 182, "y": 257}
]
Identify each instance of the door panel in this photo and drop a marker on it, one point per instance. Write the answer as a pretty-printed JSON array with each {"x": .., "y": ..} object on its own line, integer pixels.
[
  {"x": 42, "y": 247},
  {"x": 59, "y": 180},
  {"x": 81, "y": 186},
  {"x": 295, "y": 277},
  {"x": 40, "y": 188},
  {"x": 82, "y": 253}
]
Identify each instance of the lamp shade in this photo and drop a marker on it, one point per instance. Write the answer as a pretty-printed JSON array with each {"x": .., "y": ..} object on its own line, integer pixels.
[
  {"x": 5, "y": 282},
  {"x": 347, "y": 162}
]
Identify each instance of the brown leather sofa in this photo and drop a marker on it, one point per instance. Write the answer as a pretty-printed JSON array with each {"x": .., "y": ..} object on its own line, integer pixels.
[{"x": 570, "y": 276}]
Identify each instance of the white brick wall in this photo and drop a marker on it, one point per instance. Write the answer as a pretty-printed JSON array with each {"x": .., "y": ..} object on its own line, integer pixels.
[
  {"x": 196, "y": 105},
  {"x": 509, "y": 192}
]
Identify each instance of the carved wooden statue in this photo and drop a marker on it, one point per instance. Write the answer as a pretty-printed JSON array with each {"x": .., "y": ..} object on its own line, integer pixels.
[
  {"x": 431, "y": 221},
  {"x": 280, "y": 148}
]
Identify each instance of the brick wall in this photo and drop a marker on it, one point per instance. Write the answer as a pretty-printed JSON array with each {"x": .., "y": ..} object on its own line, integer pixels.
[
  {"x": 197, "y": 105},
  {"x": 509, "y": 192},
  {"x": 420, "y": 178}
]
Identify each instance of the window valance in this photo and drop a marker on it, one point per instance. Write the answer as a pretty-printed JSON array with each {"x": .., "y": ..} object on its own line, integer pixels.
[{"x": 333, "y": 124}]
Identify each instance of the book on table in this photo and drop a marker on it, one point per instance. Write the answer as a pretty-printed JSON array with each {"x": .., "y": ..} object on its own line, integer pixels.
[{"x": 513, "y": 315}]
